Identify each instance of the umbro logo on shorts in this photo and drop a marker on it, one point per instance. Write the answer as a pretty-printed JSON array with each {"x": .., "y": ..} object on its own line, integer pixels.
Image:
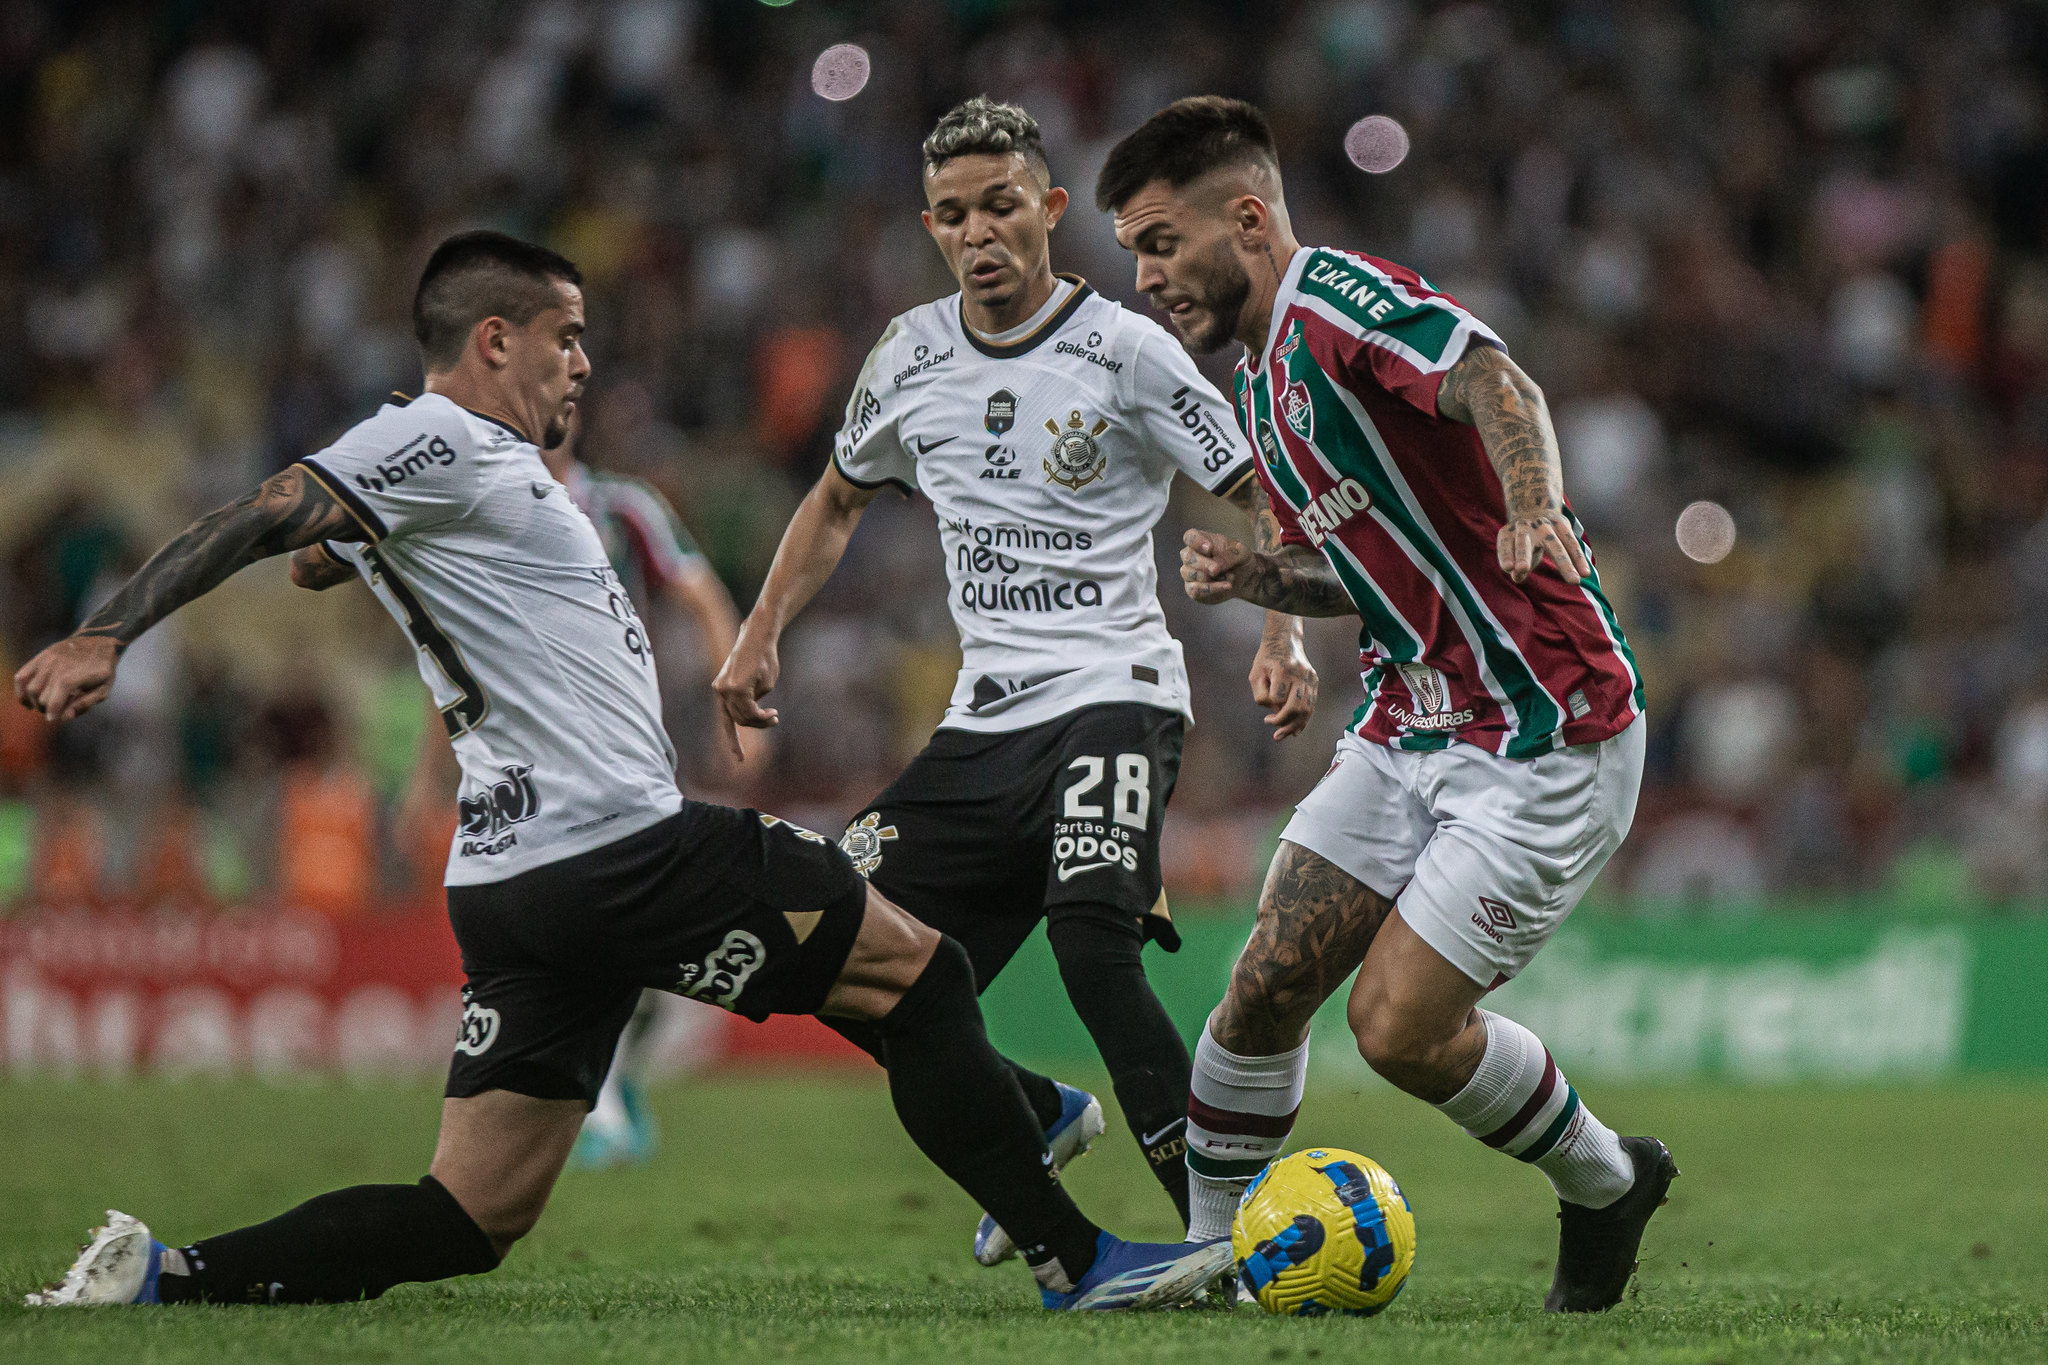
[{"x": 1497, "y": 913}]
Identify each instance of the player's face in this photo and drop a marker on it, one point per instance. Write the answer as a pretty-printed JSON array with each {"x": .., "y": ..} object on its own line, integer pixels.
[
  {"x": 551, "y": 366},
  {"x": 991, "y": 219},
  {"x": 1188, "y": 263}
]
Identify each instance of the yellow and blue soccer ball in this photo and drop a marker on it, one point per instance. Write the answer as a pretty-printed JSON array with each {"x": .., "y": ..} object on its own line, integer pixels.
[{"x": 1324, "y": 1231}]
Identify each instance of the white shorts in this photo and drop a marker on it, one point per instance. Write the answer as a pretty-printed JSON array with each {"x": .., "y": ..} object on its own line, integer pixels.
[{"x": 1483, "y": 856}]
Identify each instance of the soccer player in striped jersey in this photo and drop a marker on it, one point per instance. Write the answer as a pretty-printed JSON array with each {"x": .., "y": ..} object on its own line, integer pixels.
[
  {"x": 1411, "y": 477},
  {"x": 654, "y": 557}
]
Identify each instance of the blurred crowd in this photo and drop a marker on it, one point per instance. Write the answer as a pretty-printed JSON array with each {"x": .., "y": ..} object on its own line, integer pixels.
[{"x": 1790, "y": 257}]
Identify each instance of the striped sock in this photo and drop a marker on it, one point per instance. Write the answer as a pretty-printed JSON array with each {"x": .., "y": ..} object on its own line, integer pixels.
[
  {"x": 1240, "y": 1111},
  {"x": 1518, "y": 1102}
]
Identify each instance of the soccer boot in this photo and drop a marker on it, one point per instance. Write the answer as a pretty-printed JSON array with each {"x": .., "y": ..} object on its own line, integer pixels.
[
  {"x": 622, "y": 1136},
  {"x": 119, "y": 1265},
  {"x": 1138, "y": 1275},
  {"x": 1080, "y": 1123},
  {"x": 1596, "y": 1248}
]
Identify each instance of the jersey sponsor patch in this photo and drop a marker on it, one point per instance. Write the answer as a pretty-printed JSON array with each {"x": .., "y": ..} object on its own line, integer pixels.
[
  {"x": 722, "y": 976},
  {"x": 486, "y": 820}
]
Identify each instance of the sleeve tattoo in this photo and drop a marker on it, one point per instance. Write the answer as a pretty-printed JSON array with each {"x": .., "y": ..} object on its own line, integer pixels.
[
  {"x": 1490, "y": 392},
  {"x": 1286, "y": 578},
  {"x": 288, "y": 512}
]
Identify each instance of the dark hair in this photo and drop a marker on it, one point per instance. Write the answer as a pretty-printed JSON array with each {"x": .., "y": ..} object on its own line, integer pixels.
[
  {"x": 983, "y": 127},
  {"x": 1183, "y": 142},
  {"x": 478, "y": 275}
]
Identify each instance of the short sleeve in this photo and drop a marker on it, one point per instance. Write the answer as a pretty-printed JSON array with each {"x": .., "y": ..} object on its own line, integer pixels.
[
  {"x": 1392, "y": 331},
  {"x": 397, "y": 476},
  {"x": 659, "y": 541},
  {"x": 1184, "y": 418},
  {"x": 869, "y": 449}
]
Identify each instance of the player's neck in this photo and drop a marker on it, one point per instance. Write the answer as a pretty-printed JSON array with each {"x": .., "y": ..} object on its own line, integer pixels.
[
  {"x": 1266, "y": 270},
  {"x": 1015, "y": 310},
  {"x": 485, "y": 400}
]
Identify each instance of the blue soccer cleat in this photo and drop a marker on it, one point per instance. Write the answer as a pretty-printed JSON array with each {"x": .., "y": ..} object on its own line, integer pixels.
[
  {"x": 621, "y": 1135},
  {"x": 1140, "y": 1275},
  {"x": 119, "y": 1265},
  {"x": 1080, "y": 1123}
]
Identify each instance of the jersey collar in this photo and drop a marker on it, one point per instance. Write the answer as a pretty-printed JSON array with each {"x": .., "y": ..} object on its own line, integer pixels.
[
  {"x": 1031, "y": 341},
  {"x": 1289, "y": 283}
]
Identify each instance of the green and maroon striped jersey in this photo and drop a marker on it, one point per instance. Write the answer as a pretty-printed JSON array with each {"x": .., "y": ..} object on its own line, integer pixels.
[{"x": 1405, "y": 505}]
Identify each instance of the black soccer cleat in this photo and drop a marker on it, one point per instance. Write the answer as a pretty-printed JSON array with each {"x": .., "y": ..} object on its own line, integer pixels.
[{"x": 1596, "y": 1248}]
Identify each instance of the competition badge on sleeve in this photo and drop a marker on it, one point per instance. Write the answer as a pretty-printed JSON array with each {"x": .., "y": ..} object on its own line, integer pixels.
[{"x": 1077, "y": 457}]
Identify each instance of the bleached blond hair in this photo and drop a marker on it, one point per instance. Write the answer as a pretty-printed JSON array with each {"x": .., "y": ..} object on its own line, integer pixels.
[{"x": 985, "y": 127}]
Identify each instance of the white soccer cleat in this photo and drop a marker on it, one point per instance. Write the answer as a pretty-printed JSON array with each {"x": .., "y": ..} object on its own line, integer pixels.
[
  {"x": 1080, "y": 1123},
  {"x": 119, "y": 1265}
]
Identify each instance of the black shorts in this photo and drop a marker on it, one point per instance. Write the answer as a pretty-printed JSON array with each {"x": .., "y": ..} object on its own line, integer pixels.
[
  {"x": 985, "y": 833},
  {"x": 736, "y": 908}
]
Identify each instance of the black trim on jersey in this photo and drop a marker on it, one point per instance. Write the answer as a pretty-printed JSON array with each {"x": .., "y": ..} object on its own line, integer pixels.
[
  {"x": 506, "y": 426},
  {"x": 471, "y": 705},
  {"x": 1012, "y": 349},
  {"x": 871, "y": 485},
  {"x": 1235, "y": 479},
  {"x": 365, "y": 515}
]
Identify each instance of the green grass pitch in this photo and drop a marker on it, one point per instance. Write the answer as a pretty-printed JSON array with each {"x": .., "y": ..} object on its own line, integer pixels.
[{"x": 788, "y": 1218}]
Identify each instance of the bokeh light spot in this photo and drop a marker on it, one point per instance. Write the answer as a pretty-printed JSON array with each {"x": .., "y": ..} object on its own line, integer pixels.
[
  {"x": 1376, "y": 143},
  {"x": 841, "y": 71},
  {"x": 1706, "y": 532}
]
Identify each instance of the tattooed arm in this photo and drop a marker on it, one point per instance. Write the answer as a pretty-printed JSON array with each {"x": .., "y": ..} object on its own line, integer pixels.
[
  {"x": 289, "y": 511},
  {"x": 1282, "y": 677},
  {"x": 315, "y": 569},
  {"x": 1487, "y": 390},
  {"x": 1282, "y": 578}
]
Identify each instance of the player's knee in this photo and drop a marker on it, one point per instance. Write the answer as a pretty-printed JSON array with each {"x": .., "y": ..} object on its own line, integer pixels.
[
  {"x": 1393, "y": 1046},
  {"x": 946, "y": 981}
]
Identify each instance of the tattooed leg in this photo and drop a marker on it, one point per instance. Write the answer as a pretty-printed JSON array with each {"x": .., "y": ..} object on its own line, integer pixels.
[{"x": 1315, "y": 923}]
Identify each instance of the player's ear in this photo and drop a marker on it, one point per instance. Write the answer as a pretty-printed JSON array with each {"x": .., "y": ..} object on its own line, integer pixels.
[
  {"x": 493, "y": 337},
  {"x": 1055, "y": 207}
]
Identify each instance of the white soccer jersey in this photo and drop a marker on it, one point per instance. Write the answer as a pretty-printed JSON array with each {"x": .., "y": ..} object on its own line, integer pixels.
[
  {"x": 525, "y": 635},
  {"x": 1048, "y": 458}
]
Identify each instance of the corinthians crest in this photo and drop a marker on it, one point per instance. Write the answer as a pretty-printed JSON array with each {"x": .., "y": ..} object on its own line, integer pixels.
[
  {"x": 863, "y": 841},
  {"x": 1077, "y": 457}
]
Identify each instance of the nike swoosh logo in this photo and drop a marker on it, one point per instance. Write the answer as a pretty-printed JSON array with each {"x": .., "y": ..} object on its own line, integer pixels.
[
  {"x": 1077, "y": 870},
  {"x": 926, "y": 448},
  {"x": 541, "y": 490},
  {"x": 1150, "y": 1138}
]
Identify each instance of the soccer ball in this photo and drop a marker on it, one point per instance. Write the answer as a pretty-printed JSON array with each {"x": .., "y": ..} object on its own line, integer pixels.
[{"x": 1324, "y": 1231}]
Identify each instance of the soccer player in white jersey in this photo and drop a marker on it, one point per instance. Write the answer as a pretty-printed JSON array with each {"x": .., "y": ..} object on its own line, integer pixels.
[
  {"x": 579, "y": 874},
  {"x": 1046, "y": 423},
  {"x": 1412, "y": 478}
]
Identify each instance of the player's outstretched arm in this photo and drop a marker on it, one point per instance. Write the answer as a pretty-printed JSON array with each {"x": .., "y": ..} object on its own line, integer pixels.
[
  {"x": 1270, "y": 573},
  {"x": 812, "y": 546},
  {"x": 1282, "y": 677},
  {"x": 1489, "y": 391},
  {"x": 316, "y": 570},
  {"x": 289, "y": 511}
]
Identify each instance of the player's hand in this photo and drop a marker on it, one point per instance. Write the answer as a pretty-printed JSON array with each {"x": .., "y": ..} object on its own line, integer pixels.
[
  {"x": 1211, "y": 565},
  {"x": 749, "y": 674},
  {"x": 69, "y": 678},
  {"x": 1525, "y": 541},
  {"x": 1286, "y": 681}
]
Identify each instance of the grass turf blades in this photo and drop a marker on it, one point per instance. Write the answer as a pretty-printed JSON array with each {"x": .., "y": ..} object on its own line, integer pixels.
[{"x": 792, "y": 1220}]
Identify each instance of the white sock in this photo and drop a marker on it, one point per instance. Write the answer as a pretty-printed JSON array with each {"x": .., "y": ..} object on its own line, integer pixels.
[
  {"x": 609, "y": 1114},
  {"x": 1240, "y": 1111},
  {"x": 1520, "y": 1103}
]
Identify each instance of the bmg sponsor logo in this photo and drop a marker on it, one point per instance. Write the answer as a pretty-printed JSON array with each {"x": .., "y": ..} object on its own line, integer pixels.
[{"x": 408, "y": 460}]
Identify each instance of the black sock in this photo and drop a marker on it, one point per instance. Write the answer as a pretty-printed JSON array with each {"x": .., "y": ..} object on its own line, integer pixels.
[
  {"x": 964, "y": 1109},
  {"x": 1039, "y": 1091},
  {"x": 1098, "y": 948},
  {"x": 339, "y": 1247}
]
